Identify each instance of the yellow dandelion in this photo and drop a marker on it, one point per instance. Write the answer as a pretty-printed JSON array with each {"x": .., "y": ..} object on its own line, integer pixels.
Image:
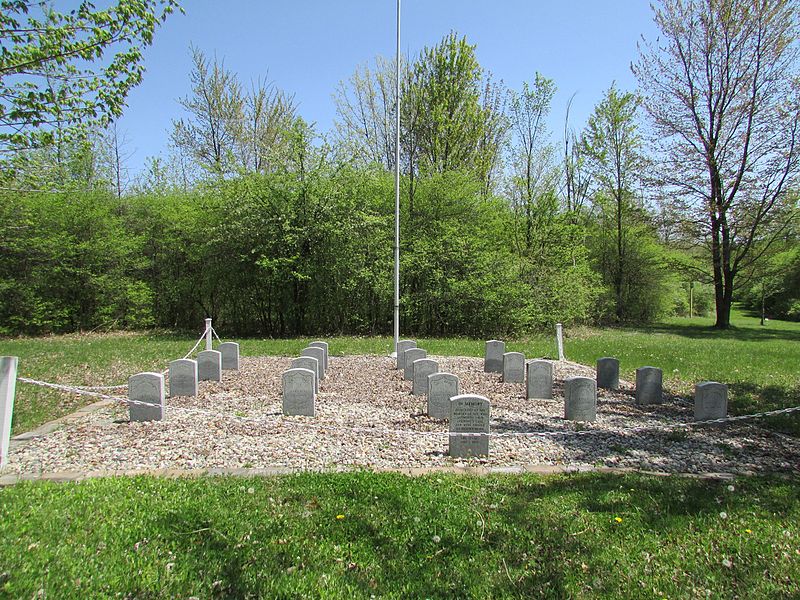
[
  {"x": 618, "y": 519},
  {"x": 340, "y": 517},
  {"x": 748, "y": 531}
]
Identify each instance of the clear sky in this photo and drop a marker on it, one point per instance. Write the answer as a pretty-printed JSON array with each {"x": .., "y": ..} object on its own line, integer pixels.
[{"x": 306, "y": 47}]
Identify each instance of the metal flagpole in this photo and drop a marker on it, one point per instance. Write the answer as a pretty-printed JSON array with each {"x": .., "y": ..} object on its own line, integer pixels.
[{"x": 397, "y": 190}]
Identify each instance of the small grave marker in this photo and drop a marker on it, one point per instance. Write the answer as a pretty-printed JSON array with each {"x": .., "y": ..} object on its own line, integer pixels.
[
  {"x": 513, "y": 367},
  {"x": 8, "y": 385},
  {"x": 324, "y": 346},
  {"x": 608, "y": 373},
  {"x": 540, "y": 379},
  {"x": 493, "y": 359},
  {"x": 230, "y": 356},
  {"x": 402, "y": 346},
  {"x": 580, "y": 399},
  {"x": 209, "y": 365},
  {"x": 146, "y": 392},
  {"x": 648, "y": 385},
  {"x": 422, "y": 367},
  {"x": 409, "y": 356},
  {"x": 298, "y": 392},
  {"x": 469, "y": 413},
  {"x": 319, "y": 354},
  {"x": 710, "y": 401},
  {"x": 183, "y": 377},
  {"x": 441, "y": 388},
  {"x": 310, "y": 363}
]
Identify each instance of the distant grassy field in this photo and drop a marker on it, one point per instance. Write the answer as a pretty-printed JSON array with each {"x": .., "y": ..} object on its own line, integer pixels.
[
  {"x": 363, "y": 535},
  {"x": 760, "y": 364}
]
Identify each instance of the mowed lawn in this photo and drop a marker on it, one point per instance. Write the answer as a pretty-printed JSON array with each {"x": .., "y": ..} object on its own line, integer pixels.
[{"x": 760, "y": 364}]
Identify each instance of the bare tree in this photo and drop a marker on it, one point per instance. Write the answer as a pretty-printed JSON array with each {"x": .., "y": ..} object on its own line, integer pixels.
[
  {"x": 721, "y": 87},
  {"x": 269, "y": 114}
]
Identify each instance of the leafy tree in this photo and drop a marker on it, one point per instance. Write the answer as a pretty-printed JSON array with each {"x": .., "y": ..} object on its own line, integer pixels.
[
  {"x": 60, "y": 72},
  {"x": 720, "y": 84}
]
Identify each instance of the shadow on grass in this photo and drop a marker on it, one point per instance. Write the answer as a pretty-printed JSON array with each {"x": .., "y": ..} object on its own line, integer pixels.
[{"x": 696, "y": 332}]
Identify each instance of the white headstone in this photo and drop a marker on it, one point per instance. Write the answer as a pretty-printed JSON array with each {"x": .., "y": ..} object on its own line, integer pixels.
[
  {"x": 146, "y": 393},
  {"x": 324, "y": 346},
  {"x": 580, "y": 399},
  {"x": 183, "y": 377},
  {"x": 648, "y": 385},
  {"x": 540, "y": 379},
  {"x": 402, "y": 346},
  {"x": 409, "y": 356},
  {"x": 310, "y": 363},
  {"x": 608, "y": 373},
  {"x": 319, "y": 354},
  {"x": 469, "y": 413},
  {"x": 710, "y": 401},
  {"x": 513, "y": 367},
  {"x": 493, "y": 359},
  {"x": 209, "y": 365},
  {"x": 8, "y": 384},
  {"x": 230, "y": 356},
  {"x": 441, "y": 388},
  {"x": 298, "y": 392},
  {"x": 422, "y": 368}
]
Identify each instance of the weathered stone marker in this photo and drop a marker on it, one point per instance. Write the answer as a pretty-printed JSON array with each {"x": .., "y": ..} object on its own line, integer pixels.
[
  {"x": 580, "y": 399},
  {"x": 540, "y": 379},
  {"x": 324, "y": 346},
  {"x": 469, "y": 413},
  {"x": 409, "y": 356},
  {"x": 209, "y": 365},
  {"x": 710, "y": 401},
  {"x": 422, "y": 367},
  {"x": 310, "y": 363},
  {"x": 183, "y": 377},
  {"x": 402, "y": 346},
  {"x": 648, "y": 385},
  {"x": 230, "y": 356},
  {"x": 319, "y": 354},
  {"x": 441, "y": 388},
  {"x": 298, "y": 392},
  {"x": 560, "y": 341},
  {"x": 493, "y": 359},
  {"x": 146, "y": 392},
  {"x": 513, "y": 367},
  {"x": 608, "y": 373},
  {"x": 8, "y": 386}
]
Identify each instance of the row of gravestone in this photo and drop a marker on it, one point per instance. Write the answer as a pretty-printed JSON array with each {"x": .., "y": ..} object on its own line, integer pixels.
[
  {"x": 300, "y": 383},
  {"x": 146, "y": 392}
]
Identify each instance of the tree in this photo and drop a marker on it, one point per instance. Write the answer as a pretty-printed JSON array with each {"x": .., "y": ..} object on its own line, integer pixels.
[
  {"x": 721, "y": 87},
  {"x": 613, "y": 147},
  {"x": 61, "y": 72}
]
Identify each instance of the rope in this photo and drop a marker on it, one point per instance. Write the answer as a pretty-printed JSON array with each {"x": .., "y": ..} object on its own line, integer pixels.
[
  {"x": 374, "y": 431},
  {"x": 214, "y": 331}
]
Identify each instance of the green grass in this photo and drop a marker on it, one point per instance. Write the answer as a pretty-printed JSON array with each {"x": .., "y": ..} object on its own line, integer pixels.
[
  {"x": 758, "y": 363},
  {"x": 364, "y": 535}
]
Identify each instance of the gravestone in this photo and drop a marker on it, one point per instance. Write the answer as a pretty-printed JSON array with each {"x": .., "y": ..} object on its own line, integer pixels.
[
  {"x": 8, "y": 388},
  {"x": 298, "y": 392},
  {"x": 409, "y": 356},
  {"x": 493, "y": 359},
  {"x": 422, "y": 368},
  {"x": 310, "y": 363},
  {"x": 209, "y": 365},
  {"x": 608, "y": 373},
  {"x": 469, "y": 413},
  {"x": 513, "y": 367},
  {"x": 183, "y": 377},
  {"x": 319, "y": 354},
  {"x": 540, "y": 379},
  {"x": 441, "y": 388},
  {"x": 230, "y": 356},
  {"x": 402, "y": 346},
  {"x": 648, "y": 385},
  {"x": 324, "y": 346},
  {"x": 710, "y": 401},
  {"x": 146, "y": 393},
  {"x": 580, "y": 399}
]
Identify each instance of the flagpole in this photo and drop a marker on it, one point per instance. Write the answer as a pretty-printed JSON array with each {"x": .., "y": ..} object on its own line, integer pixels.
[{"x": 397, "y": 190}]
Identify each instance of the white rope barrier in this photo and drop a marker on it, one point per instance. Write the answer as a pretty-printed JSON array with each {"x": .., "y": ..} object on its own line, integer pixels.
[
  {"x": 377, "y": 431},
  {"x": 214, "y": 331}
]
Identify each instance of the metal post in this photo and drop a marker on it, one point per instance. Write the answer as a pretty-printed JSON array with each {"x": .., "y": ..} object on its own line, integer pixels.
[
  {"x": 209, "y": 335},
  {"x": 8, "y": 385},
  {"x": 397, "y": 190},
  {"x": 560, "y": 340}
]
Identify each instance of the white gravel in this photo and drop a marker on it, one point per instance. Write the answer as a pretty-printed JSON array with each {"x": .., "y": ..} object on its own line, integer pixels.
[{"x": 367, "y": 418}]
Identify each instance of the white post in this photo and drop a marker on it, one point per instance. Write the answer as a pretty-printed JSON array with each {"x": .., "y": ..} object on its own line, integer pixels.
[
  {"x": 209, "y": 339},
  {"x": 560, "y": 341},
  {"x": 397, "y": 191},
  {"x": 8, "y": 385}
]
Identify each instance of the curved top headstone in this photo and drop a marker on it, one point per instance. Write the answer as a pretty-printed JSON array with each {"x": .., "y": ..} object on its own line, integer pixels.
[{"x": 493, "y": 358}]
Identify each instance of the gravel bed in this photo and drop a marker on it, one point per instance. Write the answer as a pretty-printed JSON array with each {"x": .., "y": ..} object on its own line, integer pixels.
[{"x": 367, "y": 418}]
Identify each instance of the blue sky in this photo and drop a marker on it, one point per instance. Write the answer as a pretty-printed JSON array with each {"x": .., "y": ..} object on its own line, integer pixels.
[{"x": 307, "y": 46}]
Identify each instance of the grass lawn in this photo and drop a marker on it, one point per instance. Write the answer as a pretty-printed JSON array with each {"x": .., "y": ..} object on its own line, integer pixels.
[
  {"x": 363, "y": 535},
  {"x": 758, "y": 363}
]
